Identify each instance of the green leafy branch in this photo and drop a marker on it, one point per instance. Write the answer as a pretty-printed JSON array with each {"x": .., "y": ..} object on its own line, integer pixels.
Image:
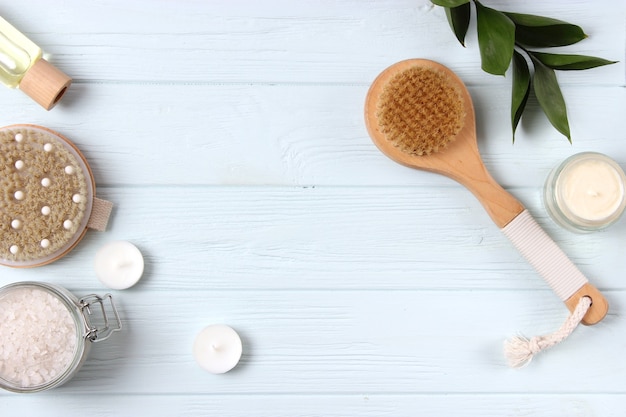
[{"x": 505, "y": 37}]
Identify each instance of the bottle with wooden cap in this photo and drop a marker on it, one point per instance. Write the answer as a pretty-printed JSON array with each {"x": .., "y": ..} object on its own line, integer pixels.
[{"x": 22, "y": 66}]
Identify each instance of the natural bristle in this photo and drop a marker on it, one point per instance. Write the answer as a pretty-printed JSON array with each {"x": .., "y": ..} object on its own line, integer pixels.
[
  {"x": 420, "y": 111},
  {"x": 43, "y": 194}
]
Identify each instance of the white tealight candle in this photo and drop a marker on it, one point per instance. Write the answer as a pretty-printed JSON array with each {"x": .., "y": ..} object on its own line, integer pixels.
[
  {"x": 119, "y": 265},
  {"x": 586, "y": 192},
  {"x": 217, "y": 348}
]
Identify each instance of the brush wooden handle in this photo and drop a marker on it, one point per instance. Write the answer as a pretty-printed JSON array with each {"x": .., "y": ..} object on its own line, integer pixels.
[
  {"x": 464, "y": 164},
  {"x": 552, "y": 264}
]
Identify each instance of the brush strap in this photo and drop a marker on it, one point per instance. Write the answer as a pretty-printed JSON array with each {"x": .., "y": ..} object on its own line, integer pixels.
[{"x": 100, "y": 213}]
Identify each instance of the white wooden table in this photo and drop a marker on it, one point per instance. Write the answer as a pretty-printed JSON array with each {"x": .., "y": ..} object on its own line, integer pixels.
[{"x": 230, "y": 136}]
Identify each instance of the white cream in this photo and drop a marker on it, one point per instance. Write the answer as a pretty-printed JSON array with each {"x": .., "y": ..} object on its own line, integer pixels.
[
  {"x": 590, "y": 189},
  {"x": 586, "y": 192}
]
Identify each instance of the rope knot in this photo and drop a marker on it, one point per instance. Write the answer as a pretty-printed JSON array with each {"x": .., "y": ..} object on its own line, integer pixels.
[
  {"x": 534, "y": 345},
  {"x": 519, "y": 351}
]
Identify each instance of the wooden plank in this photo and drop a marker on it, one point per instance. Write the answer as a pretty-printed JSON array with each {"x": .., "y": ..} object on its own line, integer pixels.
[
  {"x": 350, "y": 342},
  {"x": 297, "y": 135},
  {"x": 281, "y": 41},
  {"x": 362, "y": 404},
  {"x": 267, "y": 238}
]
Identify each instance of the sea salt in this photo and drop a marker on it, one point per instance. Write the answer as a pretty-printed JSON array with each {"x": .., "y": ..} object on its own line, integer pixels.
[{"x": 37, "y": 337}]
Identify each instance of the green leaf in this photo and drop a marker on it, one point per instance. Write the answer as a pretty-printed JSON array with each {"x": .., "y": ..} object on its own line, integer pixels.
[
  {"x": 539, "y": 31},
  {"x": 449, "y": 3},
  {"x": 521, "y": 89},
  {"x": 570, "y": 62},
  {"x": 496, "y": 39},
  {"x": 459, "y": 19},
  {"x": 550, "y": 98}
]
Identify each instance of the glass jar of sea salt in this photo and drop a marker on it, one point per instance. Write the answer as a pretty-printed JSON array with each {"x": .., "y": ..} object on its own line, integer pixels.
[
  {"x": 46, "y": 333},
  {"x": 586, "y": 192}
]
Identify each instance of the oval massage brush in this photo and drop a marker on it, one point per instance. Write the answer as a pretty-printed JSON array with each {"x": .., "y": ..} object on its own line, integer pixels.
[
  {"x": 47, "y": 196},
  {"x": 420, "y": 114}
]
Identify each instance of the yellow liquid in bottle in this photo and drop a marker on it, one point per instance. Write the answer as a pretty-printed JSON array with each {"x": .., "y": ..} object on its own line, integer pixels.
[{"x": 17, "y": 54}]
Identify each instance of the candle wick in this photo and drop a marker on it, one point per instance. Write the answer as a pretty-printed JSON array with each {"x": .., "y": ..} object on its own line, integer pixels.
[
  {"x": 123, "y": 264},
  {"x": 215, "y": 346}
]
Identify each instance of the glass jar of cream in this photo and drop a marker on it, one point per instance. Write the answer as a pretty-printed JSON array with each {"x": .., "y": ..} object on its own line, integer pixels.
[
  {"x": 46, "y": 333},
  {"x": 586, "y": 192}
]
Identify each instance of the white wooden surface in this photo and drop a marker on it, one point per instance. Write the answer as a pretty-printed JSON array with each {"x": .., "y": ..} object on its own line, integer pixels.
[{"x": 230, "y": 136}]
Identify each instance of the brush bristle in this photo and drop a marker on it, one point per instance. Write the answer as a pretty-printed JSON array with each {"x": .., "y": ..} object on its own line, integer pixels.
[
  {"x": 43, "y": 194},
  {"x": 420, "y": 111}
]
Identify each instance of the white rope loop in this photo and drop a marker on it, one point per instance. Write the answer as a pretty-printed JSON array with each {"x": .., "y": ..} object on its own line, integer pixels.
[{"x": 519, "y": 350}]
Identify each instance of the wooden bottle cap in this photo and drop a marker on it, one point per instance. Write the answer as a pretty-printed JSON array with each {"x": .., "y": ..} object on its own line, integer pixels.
[{"x": 45, "y": 83}]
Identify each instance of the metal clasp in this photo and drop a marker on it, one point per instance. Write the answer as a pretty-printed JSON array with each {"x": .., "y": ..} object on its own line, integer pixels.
[{"x": 99, "y": 333}]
